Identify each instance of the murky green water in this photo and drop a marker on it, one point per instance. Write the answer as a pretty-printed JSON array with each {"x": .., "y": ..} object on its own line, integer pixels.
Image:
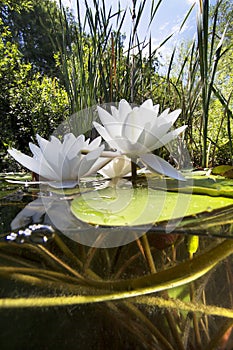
[{"x": 74, "y": 296}]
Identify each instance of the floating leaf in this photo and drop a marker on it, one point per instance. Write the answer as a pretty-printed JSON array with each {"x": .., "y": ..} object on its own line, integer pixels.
[
  {"x": 229, "y": 174},
  {"x": 222, "y": 170},
  {"x": 212, "y": 186},
  {"x": 140, "y": 206}
]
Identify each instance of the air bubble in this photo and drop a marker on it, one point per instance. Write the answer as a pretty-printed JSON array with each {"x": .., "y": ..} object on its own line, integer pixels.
[{"x": 37, "y": 234}]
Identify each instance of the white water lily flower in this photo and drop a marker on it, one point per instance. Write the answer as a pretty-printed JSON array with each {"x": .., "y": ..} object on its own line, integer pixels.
[
  {"x": 136, "y": 132},
  {"x": 118, "y": 167},
  {"x": 62, "y": 163}
]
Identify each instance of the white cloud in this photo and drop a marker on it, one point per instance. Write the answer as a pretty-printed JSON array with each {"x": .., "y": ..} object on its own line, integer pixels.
[
  {"x": 164, "y": 26},
  {"x": 191, "y": 2}
]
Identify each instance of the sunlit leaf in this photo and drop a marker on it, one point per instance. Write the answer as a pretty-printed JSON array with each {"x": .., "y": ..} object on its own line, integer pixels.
[
  {"x": 214, "y": 186},
  {"x": 140, "y": 206},
  {"x": 222, "y": 170}
]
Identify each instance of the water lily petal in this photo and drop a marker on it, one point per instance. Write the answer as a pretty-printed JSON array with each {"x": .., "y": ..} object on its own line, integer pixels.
[
  {"x": 148, "y": 104},
  {"x": 118, "y": 167},
  {"x": 105, "y": 117},
  {"x": 27, "y": 161},
  {"x": 160, "y": 166},
  {"x": 131, "y": 131},
  {"x": 71, "y": 146},
  {"x": 36, "y": 151},
  {"x": 105, "y": 135},
  {"x": 168, "y": 118},
  {"x": 33, "y": 164},
  {"x": 150, "y": 139},
  {"x": 94, "y": 144},
  {"x": 162, "y": 117},
  {"x": 63, "y": 184},
  {"x": 115, "y": 112},
  {"x": 41, "y": 142},
  {"x": 130, "y": 149},
  {"x": 39, "y": 156},
  {"x": 99, "y": 163},
  {"x": 50, "y": 153},
  {"x": 88, "y": 161},
  {"x": 112, "y": 125},
  {"x": 142, "y": 117},
  {"x": 124, "y": 110},
  {"x": 141, "y": 139},
  {"x": 121, "y": 114},
  {"x": 169, "y": 137},
  {"x": 64, "y": 167},
  {"x": 155, "y": 134},
  {"x": 74, "y": 166},
  {"x": 156, "y": 109},
  {"x": 55, "y": 140}
]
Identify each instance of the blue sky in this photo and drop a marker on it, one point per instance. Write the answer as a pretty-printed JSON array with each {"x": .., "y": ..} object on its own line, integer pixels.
[{"x": 167, "y": 20}]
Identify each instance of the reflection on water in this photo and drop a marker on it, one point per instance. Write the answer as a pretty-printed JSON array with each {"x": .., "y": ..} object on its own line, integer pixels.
[
  {"x": 39, "y": 263},
  {"x": 54, "y": 209}
]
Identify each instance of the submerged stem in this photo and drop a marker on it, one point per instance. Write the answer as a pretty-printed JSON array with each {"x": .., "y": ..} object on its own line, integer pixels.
[
  {"x": 148, "y": 254},
  {"x": 145, "y": 300},
  {"x": 168, "y": 314},
  {"x": 134, "y": 171},
  {"x": 179, "y": 275},
  {"x": 155, "y": 331}
]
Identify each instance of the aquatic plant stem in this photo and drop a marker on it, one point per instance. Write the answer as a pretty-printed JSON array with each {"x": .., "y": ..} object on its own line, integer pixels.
[
  {"x": 179, "y": 275},
  {"x": 148, "y": 254},
  {"x": 60, "y": 262},
  {"x": 216, "y": 340},
  {"x": 195, "y": 320},
  {"x": 192, "y": 247},
  {"x": 67, "y": 251},
  {"x": 168, "y": 315},
  {"x": 132, "y": 325},
  {"x": 157, "y": 334},
  {"x": 144, "y": 300},
  {"x": 178, "y": 304},
  {"x": 134, "y": 171}
]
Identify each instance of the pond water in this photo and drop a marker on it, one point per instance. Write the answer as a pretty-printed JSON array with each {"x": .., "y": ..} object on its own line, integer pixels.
[{"x": 102, "y": 282}]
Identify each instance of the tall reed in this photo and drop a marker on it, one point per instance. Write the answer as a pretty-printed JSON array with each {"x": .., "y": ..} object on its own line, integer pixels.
[
  {"x": 99, "y": 65},
  {"x": 194, "y": 80}
]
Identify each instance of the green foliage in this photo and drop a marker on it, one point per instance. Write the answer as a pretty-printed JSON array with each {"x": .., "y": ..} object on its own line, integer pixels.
[
  {"x": 36, "y": 30},
  {"x": 96, "y": 66},
  {"x": 29, "y": 104},
  {"x": 36, "y": 105},
  {"x": 90, "y": 63},
  {"x": 41, "y": 101},
  {"x": 200, "y": 82},
  {"x": 13, "y": 74},
  {"x": 16, "y": 5}
]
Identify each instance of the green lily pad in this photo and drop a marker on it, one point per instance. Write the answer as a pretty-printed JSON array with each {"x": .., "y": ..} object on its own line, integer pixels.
[
  {"x": 229, "y": 174},
  {"x": 140, "y": 206},
  {"x": 218, "y": 188},
  {"x": 18, "y": 177},
  {"x": 222, "y": 170}
]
